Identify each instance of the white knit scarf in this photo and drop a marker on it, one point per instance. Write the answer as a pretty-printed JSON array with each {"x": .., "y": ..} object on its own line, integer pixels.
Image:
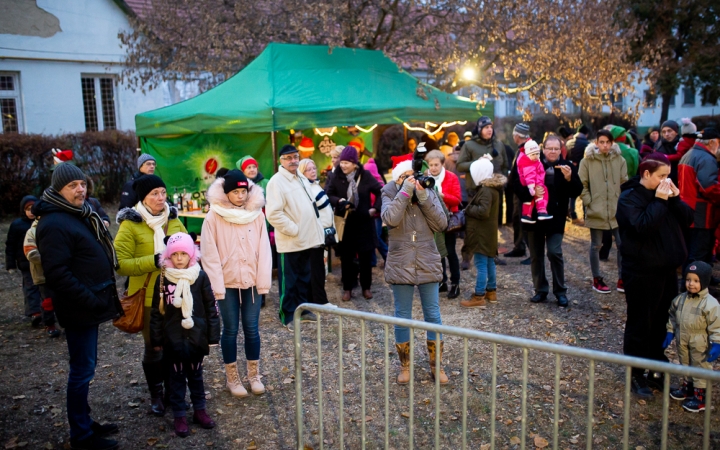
[
  {"x": 240, "y": 216},
  {"x": 156, "y": 223},
  {"x": 439, "y": 179},
  {"x": 183, "y": 298}
]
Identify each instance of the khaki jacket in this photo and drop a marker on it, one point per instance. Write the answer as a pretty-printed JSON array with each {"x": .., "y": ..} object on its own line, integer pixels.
[
  {"x": 602, "y": 176},
  {"x": 695, "y": 321},
  {"x": 33, "y": 255}
]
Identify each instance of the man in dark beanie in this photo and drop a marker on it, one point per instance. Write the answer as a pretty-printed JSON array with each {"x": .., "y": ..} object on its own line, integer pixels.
[
  {"x": 79, "y": 264},
  {"x": 146, "y": 165},
  {"x": 667, "y": 145},
  {"x": 299, "y": 234}
]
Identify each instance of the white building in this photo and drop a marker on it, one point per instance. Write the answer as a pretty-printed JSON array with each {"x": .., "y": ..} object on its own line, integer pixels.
[{"x": 59, "y": 66}]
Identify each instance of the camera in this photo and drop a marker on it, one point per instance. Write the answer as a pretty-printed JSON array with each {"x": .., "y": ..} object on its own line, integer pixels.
[{"x": 417, "y": 163}]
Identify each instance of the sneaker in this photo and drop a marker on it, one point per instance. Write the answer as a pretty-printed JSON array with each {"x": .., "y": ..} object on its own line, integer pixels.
[
  {"x": 600, "y": 286},
  {"x": 290, "y": 326},
  {"x": 36, "y": 320},
  {"x": 52, "y": 332},
  {"x": 527, "y": 261},
  {"x": 454, "y": 291},
  {"x": 683, "y": 392},
  {"x": 544, "y": 216},
  {"x": 104, "y": 430},
  {"x": 94, "y": 442},
  {"x": 639, "y": 387},
  {"x": 527, "y": 219},
  {"x": 515, "y": 253},
  {"x": 620, "y": 287},
  {"x": 500, "y": 262},
  {"x": 201, "y": 417},
  {"x": 308, "y": 316},
  {"x": 181, "y": 427},
  {"x": 476, "y": 301},
  {"x": 696, "y": 403},
  {"x": 443, "y": 287}
]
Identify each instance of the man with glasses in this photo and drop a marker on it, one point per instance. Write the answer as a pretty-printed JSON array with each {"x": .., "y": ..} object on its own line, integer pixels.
[
  {"x": 562, "y": 182},
  {"x": 299, "y": 235},
  {"x": 146, "y": 166}
]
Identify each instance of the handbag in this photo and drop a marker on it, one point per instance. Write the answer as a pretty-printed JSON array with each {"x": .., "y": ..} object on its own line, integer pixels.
[
  {"x": 133, "y": 318},
  {"x": 340, "y": 220},
  {"x": 456, "y": 222}
]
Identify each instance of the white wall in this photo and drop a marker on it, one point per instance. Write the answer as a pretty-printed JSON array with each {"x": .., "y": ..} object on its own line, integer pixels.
[
  {"x": 651, "y": 116},
  {"x": 50, "y": 69}
]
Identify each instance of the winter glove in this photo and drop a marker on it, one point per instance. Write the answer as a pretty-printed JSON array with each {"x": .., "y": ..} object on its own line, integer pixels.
[
  {"x": 408, "y": 187},
  {"x": 157, "y": 260},
  {"x": 422, "y": 195},
  {"x": 668, "y": 339},
  {"x": 343, "y": 205},
  {"x": 714, "y": 352}
]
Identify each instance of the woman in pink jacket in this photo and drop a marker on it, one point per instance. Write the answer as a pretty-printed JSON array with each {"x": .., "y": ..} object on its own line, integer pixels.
[{"x": 238, "y": 260}]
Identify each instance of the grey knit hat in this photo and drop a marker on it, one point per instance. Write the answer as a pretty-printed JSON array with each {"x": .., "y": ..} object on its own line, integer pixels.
[
  {"x": 522, "y": 129},
  {"x": 65, "y": 173},
  {"x": 142, "y": 159}
]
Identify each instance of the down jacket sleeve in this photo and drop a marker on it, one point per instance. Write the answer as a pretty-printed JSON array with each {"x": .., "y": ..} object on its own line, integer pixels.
[
  {"x": 480, "y": 208},
  {"x": 129, "y": 265},
  {"x": 393, "y": 206},
  {"x": 264, "y": 268},
  {"x": 210, "y": 255},
  {"x": 434, "y": 212},
  {"x": 452, "y": 194}
]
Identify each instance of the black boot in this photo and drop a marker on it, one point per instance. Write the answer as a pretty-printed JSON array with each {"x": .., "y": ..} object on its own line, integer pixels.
[{"x": 155, "y": 377}]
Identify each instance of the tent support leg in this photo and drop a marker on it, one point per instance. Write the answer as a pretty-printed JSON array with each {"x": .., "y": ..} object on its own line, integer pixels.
[{"x": 274, "y": 151}]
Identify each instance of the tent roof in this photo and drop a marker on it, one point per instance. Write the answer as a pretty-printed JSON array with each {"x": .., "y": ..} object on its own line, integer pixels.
[{"x": 292, "y": 86}]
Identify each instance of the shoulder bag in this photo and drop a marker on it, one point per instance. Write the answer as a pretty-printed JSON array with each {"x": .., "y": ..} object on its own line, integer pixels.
[{"x": 340, "y": 221}]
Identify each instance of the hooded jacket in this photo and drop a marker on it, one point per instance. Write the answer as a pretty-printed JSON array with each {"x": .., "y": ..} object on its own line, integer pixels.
[
  {"x": 601, "y": 176},
  {"x": 695, "y": 321},
  {"x": 624, "y": 141},
  {"x": 166, "y": 331},
  {"x": 290, "y": 208},
  {"x": 481, "y": 213},
  {"x": 651, "y": 229},
  {"x": 413, "y": 257},
  {"x": 236, "y": 256},
  {"x": 475, "y": 148},
  {"x": 699, "y": 187},
  {"x": 14, "y": 253},
  {"x": 576, "y": 147},
  {"x": 135, "y": 248},
  {"x": 79, "y": 276}
]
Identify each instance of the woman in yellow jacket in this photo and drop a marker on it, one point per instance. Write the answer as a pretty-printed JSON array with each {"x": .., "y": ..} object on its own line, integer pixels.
[{"x": 138, "y": 244}]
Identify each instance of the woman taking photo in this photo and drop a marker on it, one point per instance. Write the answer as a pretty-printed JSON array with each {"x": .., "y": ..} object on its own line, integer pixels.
[
  {"x": 349, "y": 192},
  {"x": 413, "y": 214},
  {"x": 138, "y": 244},
  {"x": 238, "y": 260},
  {"x": 651, "y": 218}
]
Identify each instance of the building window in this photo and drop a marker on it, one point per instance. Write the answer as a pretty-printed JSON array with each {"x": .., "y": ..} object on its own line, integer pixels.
[
  {"x": 672, "y": 100},
  {"x": 511, "y": 108},
  {"x": 650, "y": 100},
  {"x": 618, "y": 101},
  {"x": 10, "y": 103},
  {"x": 99, "y": 95},
  {"x": 688, "y": 97}
]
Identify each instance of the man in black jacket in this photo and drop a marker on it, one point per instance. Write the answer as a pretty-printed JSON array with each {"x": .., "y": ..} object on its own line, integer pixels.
[
  {"x": 146, "y": 166},
  {"x": 79, "y": 264},
  {"x": 562, "y": 182}
]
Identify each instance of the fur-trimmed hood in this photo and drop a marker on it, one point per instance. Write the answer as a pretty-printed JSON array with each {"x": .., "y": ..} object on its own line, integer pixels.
[
  {"x": 496, "y": 181},
  {"x": 592, "y": 151},
  {"x": 132, "y": 215},
  {"x": 216, "y": 195}
]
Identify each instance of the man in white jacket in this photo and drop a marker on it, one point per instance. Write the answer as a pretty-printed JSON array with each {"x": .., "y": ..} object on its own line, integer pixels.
[{"x": 299, "y": 235}]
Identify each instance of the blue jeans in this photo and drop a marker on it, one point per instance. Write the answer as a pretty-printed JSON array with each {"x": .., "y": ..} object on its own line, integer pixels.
[
  {"x": 486, "y": 278},
  {"x": 82, "y": 348},
  {"x": 231, "y": 311},
  {"x": 429, "y": 299}
]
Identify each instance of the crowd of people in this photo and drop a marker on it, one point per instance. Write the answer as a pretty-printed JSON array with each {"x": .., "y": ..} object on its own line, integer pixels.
[{"x": 661, "y": 205}]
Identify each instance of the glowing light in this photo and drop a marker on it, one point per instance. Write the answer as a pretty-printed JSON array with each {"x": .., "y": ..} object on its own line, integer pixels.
[
  {"x": 368, "y": 130},
  {"x": 325, "y": 131},
  {"x": 469, "y": 73},
  {"x": 434, "y": 125}
]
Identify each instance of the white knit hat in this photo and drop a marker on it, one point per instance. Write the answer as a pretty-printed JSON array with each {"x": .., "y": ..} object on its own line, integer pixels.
[
  {"x": 482, "y": 169},
  {"x": 400, "y": 169},
  {"x": 687, "y": 126},
  {"x": 531, "y": 147}
]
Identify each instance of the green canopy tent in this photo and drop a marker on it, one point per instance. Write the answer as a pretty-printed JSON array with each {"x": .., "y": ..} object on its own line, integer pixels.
[{"x": 289, "y": 87}]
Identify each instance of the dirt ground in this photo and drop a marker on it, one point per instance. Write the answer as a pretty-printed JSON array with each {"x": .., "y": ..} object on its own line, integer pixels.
[{"x": 34, "y": 373}]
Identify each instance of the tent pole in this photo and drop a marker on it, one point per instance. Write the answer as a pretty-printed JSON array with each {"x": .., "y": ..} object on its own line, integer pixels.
[{"x": 274, "y": 151}]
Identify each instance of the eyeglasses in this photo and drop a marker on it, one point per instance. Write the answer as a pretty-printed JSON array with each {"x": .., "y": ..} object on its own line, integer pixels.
[
  {"x": 290, "y": 157},
  {"x": 552, "y": 149}
]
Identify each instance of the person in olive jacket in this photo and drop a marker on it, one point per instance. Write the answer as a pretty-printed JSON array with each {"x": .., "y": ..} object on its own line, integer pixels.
[
  {"x": 651, "y": 218},
  {"x": 562, "y": 182},
  {"x": 79, "y": 262}
]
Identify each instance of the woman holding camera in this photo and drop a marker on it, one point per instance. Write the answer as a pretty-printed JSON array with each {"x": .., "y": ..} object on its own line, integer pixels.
[
  {"x": 412, "y": 214},
  {"x": 349, "y": 193}
]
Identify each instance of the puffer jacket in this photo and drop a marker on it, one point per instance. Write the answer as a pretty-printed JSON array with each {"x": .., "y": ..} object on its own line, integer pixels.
[
  {"x": 602, "y": 176},
  {"x": 166, "y": 331},
  {"x": 695, "y": 320},
  {"x": 236, "y": 256},
  {"x": 473, "y": 149},
  {"x": 699, "y": 186},
  {"x": 413, "y": 257},
  {"x": 33, "y": 255},
  {"x": 135, "y": 248},
  {"x": 481, "y": 213},
  {"x": 291, "y": 210}
]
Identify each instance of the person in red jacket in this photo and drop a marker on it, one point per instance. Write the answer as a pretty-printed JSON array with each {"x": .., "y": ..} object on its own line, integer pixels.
[
  {"x": 699, "y": 188},
  {"x": 448, "y": 188}
]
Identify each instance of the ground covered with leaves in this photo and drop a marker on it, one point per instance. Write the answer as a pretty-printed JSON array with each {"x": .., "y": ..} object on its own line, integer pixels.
[{"x": 34, "y": 373}]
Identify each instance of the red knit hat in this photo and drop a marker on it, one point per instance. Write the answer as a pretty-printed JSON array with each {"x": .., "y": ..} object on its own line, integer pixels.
[
  {"x": 306, "y": 145},
  {"x": 246, "y": 162}
]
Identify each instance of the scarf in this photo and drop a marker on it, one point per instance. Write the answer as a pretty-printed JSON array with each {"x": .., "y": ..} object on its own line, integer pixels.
[
  {"x": 352, "y": 192},
  {"x": 439, "y": 179},
  {"x": 183, "y": 298},
  {"x": 156, "y": 223},
  {"x": 86, "y": 212},
  {"x": 240, "y": 216}
]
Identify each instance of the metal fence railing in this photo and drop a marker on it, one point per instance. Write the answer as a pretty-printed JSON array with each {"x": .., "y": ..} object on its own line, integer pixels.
[{"x": 525, "y": 346}]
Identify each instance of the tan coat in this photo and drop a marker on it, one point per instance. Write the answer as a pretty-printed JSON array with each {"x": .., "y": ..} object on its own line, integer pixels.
[
  {"x": 602, "y": 176},
  {"x": 33, "y": 255}
]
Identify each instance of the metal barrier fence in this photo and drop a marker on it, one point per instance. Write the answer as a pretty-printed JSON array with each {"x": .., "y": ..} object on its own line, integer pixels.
[{"x": 592, "y": 356}]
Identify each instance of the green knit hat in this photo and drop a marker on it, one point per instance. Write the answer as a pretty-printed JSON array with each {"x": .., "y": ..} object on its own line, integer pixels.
[{"x": 245, "y": 161}]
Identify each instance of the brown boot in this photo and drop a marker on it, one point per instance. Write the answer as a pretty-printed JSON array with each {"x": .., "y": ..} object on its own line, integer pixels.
[
  {"x": 367, "y": 293},
  {"x": 476, "y": 301},
  {"x": 346, "y": 296},
  {"x": 491, "y": 296},
  {"x": 404, "y": 355},
  {"x": 233, "y": 382},
  {"x": 253, "y": 374},
  {"x": 431, "y": 357}
]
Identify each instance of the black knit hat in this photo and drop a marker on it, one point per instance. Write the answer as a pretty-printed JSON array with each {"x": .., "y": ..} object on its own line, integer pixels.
[
  {"x": 709, "y": 133},
  {"x": 65, "y": 173},
  {"x": 583, "y": 129},
  {"x": 563, "y": 132},
  {"x": 670, "y": 124},
  {"x": 235, "y": 179},
  {"x": 146, "y": 183},
  {"x": 703, "y": 270},
  {"x": 288, "y": 149}
]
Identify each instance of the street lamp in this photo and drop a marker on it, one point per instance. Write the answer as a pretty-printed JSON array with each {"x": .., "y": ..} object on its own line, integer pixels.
[{"x": 469, "y": 73}]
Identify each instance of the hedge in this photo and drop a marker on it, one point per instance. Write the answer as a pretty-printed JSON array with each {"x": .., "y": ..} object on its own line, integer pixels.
[{"x": 107, "y": 157}]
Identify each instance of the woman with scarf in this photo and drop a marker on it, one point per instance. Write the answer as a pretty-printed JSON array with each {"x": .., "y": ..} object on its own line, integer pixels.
[
  {"x": 238, "y": 261},
  {"x": 139, "y": 244},
  {"x": 447, "y": 185},
  {"x": 349, "y": 192}
]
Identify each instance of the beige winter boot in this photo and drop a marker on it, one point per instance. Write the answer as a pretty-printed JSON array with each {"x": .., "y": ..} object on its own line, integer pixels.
[
  {"x": 253, "y": 370},
  {"x": 431, "y": 357},
  {"x": 404, "y": 355},
  {"x": 233, "y": 382}
]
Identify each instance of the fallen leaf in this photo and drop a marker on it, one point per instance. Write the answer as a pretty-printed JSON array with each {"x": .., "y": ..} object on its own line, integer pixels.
[
  {"x": 508, "y": 422},
  {"x": 549, "y": 321},
  {"x": 574, "y": 441},
  {"x": 18, "y": 397},
  {"x": 287, "y": 381},
  {"x": 540, "y": 442},
  {"x": 259, "y": 416},
  {"x": 642, "y": 402},
  {"x": 514, "y": 440},
  {"x": 485, "y": 447},
  {"x": 252, "y": 446},
  {"x": 49, "y": 446},
  {"x": 152, "y": 441},
  {"x": 134, "y": 404},
  {"x": 219, "y": 411},
  {"x": 406, "y": 415},
  {"x": 639, "y": 447},
  {"x": 133, "y": 382},
  {"x": 368, "y": 419},
  {"x": 582, "y": 338},
  {"x": 352, "y": 346}
]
